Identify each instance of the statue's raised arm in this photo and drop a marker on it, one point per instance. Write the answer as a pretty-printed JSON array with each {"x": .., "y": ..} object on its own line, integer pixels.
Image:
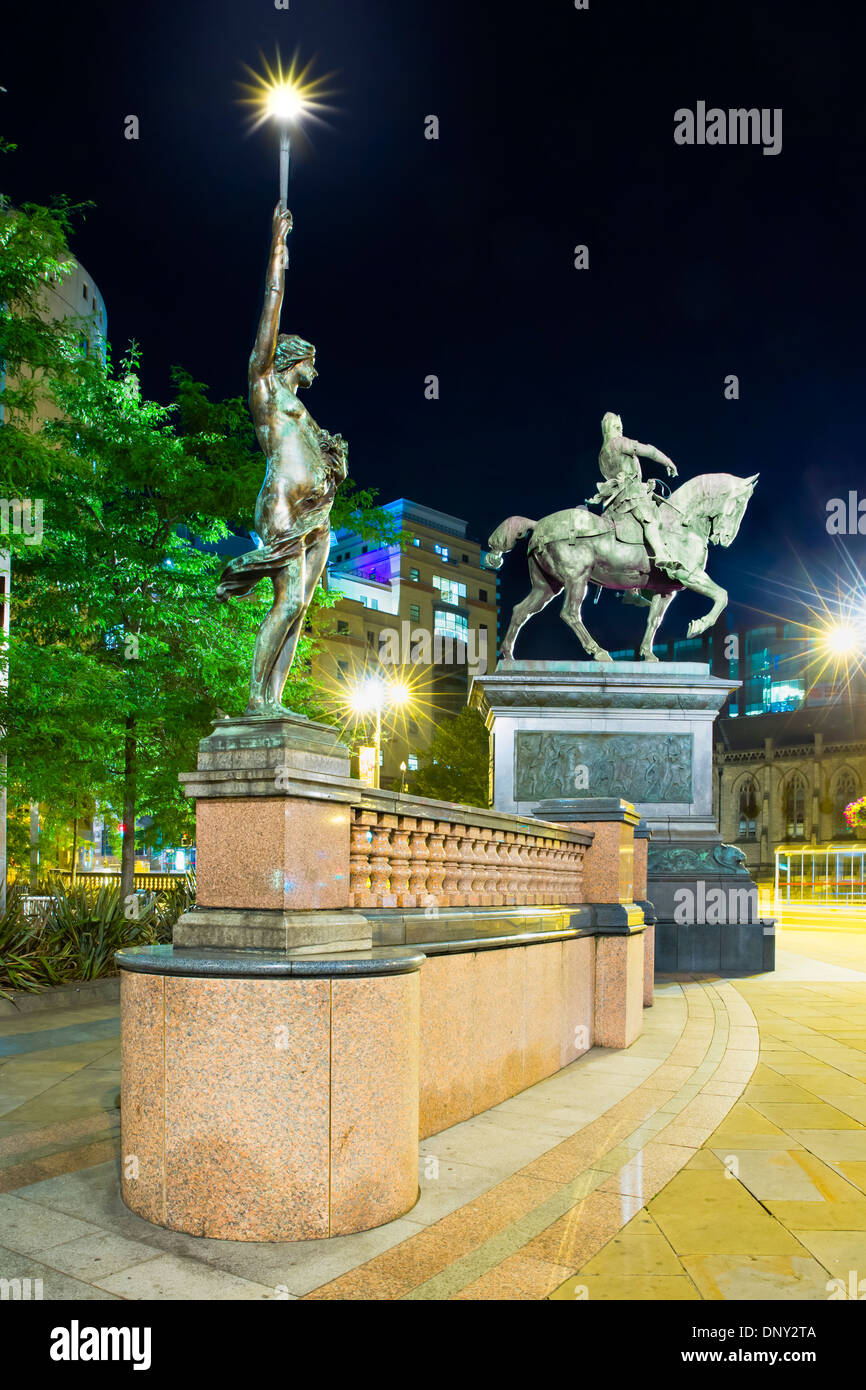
[
  {"x": 305, "y": 466},
  {"x": 264, "y": 351}
]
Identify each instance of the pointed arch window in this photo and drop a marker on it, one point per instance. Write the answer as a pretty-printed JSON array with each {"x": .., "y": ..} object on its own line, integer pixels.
[
  {"x": 795, "y": 807},
  {"x": 749, "y": 809}
]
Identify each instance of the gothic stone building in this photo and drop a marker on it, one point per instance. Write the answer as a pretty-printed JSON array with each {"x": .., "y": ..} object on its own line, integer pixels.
[{"x": 786, "y": 778}]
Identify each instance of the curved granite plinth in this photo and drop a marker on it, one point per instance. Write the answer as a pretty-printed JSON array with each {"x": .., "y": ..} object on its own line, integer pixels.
[{"x": 267, "y": 1096}]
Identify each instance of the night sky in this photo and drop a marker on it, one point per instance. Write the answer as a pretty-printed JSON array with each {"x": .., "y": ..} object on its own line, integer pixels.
[{"x": 455, "y": 256}]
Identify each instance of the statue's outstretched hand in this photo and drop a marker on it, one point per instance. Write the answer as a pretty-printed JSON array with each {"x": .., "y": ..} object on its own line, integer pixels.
[
  {"x": 281, "y": 225},
  {"x": 672, "y": 469}
]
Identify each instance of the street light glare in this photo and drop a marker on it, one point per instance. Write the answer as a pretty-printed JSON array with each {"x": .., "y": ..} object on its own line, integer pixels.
[
  {"x": 842, "y": 640},
  {"x": 285, "y": 93},
  {"x": 285, "y": 103}
]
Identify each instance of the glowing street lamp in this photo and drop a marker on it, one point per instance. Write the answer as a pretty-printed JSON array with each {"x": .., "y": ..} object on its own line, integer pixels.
[
  {"x": 284, "y": 96},
  {"x": 842, "y": 639},
  {"x": 372, "y": 696}
]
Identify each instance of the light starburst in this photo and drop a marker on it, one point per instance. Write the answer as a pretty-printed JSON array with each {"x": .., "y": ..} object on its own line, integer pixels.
[{"x": 285, "y": 94}]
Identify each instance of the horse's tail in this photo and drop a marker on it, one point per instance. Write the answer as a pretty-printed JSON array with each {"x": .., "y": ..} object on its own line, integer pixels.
[{"x": 505, "y": 537}]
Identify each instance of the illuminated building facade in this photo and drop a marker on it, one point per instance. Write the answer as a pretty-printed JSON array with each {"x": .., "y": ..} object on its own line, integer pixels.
[{"x": 426, "y": 607}]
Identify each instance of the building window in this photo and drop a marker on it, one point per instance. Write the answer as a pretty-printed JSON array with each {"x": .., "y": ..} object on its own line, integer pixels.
[
  {"x": 414, "y": 612},
  {"x": 466, "y": 559},
  {"x": 84, "y": 291},
  {"x": 795, "y": 807},
  {"x": 441, "y": 550},
  {"x": 750, "y": 806},
  {"x": 450, "y": 590},
  {"x": 482, "y": 595},
  {"x": 371, "y": 638},
  {"x": 342, "y": 627},
  {"x": 844, "y": 792},
  {"x": 412, "y": 762},
  {"x": 343, "y": 667},
  {"x": 414, "y": 576},
  {"x": 415, "y": 540},
  {"x": 454, "y": 625}
]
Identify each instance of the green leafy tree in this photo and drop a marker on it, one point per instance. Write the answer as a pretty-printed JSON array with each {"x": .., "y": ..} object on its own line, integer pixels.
[
  {"x": 120, "y": 658},
  {"x": 456, "y": 767}
]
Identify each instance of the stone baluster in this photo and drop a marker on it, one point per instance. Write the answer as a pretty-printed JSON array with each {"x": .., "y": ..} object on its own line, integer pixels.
[
  {"x": 522, "y": 870},
  {"x": 451, "y": 896},
  {"x": 419, "y": 862},
  {"x": 436, "y": 872},
  {"x": 568, "y": 873},
  {"x": 545, "y": 890},
  {"x": 558, "y": 876},
  {"x": 380, "y": 864},
  {"x": 467, "y": 867},
  {"x": 479, "y": 867},
  {"x": 400, "y": 862},
  {"x": 537, "y": 869},
  {"x": 359, "y": 859},
  {"x": 493, "y": 883},
  {"x": 503, "y": 850},
  {"x": 513, "y": 868}
]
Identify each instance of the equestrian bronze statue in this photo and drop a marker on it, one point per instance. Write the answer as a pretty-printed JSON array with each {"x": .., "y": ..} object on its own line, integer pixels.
[
  {"x": 305, "y": 466},
  {"x": 648, "y": 546}
]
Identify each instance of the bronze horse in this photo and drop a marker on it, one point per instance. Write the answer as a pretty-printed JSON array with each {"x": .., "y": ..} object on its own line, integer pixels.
[{"x": 571, "y": 549}]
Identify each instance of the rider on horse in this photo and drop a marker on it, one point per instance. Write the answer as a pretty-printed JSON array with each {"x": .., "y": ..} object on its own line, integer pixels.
[{"x": 624, "y": 489}]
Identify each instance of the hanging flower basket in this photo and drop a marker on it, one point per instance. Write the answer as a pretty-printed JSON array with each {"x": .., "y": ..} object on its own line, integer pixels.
[{"x": 855, "y": 814}]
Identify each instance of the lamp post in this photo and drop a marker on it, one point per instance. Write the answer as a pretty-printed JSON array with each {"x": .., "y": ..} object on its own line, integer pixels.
[
  {"x": 284, "y": 96},
  {"x": 373, "y": 695}
]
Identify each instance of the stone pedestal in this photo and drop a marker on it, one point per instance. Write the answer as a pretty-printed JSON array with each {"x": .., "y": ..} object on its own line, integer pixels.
[
  {"x": 642, "y": 731},
  {"x": 272, "y": 831},
  {"x": 269, "y": 1096}
]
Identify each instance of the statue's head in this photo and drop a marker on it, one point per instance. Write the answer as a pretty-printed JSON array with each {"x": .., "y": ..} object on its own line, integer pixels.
[
  {"x": 296, "y": 357},
  {"x": 611, "y": 425}
]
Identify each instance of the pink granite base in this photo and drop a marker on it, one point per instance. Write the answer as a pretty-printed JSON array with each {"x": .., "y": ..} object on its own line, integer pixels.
[
  {"x": 281, "y": 853},
  {"x": 649, "y": 965},
  {"x": 282, "y": 1109},
  {"x": 619, "y": 990},
  {"x": 609, "y": 864},
  {"x": 641, "y": 856},
  {"x": 495, "y": 1022}
]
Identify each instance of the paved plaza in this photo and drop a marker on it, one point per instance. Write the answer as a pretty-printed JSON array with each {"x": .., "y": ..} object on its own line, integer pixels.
[{"x": 721, "y": 1156}]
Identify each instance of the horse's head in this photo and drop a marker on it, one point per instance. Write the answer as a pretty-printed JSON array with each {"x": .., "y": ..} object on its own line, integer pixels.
[{"x": 734, "y": 500}]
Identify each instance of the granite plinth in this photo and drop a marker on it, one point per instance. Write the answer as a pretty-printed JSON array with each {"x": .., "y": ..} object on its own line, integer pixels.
[
  {"x": 663, "y": 710},
  {"x": 273, "y": 802},
  {"x": 644, "y": 732},
  {"x": 269, "y": 1099},
  {"x": 272, "y": 930}
]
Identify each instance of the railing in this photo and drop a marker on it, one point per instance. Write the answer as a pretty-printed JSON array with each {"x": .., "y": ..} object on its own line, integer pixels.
[
  {"x": 418, "y": 861},
  {"x": 109, "y": 878}
]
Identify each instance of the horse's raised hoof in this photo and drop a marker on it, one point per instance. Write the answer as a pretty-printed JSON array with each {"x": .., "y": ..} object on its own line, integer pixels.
[
  {"x": 648, "y": 656},
  {"x": 602, "y": 656},
  {"x": 695, "y": 628}
]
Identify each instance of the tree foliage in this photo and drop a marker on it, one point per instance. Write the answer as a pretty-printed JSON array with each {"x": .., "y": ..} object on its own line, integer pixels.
[{"x": 456, "y": 767}]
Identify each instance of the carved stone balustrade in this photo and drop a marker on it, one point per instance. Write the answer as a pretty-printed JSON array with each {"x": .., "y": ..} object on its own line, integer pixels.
[{"x": 414, "y": 852}]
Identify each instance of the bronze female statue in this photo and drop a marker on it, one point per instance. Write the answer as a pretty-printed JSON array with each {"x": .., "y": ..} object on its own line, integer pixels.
[{"x": 305, "y": 466}]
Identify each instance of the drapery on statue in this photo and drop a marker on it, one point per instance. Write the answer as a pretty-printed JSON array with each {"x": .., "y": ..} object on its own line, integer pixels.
[
  {"x": 651, "y": 548},
  {"x": 305, "y": 466}
]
